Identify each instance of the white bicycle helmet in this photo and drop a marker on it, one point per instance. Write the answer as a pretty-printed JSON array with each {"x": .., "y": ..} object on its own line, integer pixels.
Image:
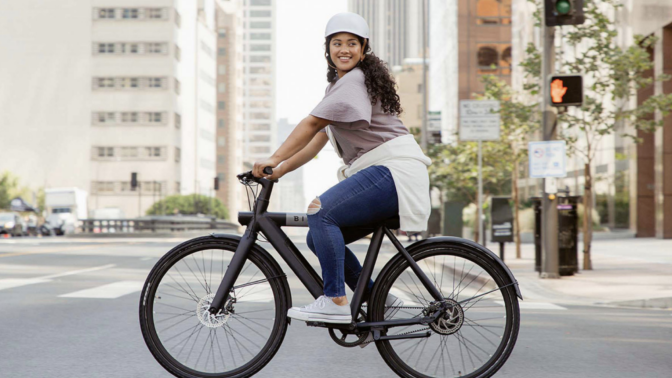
[{"x": 349, "y": 23}]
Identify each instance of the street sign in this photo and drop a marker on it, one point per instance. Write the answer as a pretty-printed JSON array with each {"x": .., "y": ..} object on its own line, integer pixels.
[
  {"x": 434, "y": 121},
  {"x": 547, "y": 159},
  {"x": 566, "y": 90},
  {"x": 502, "y": 220},
  {"x": 479, "y": 120}
]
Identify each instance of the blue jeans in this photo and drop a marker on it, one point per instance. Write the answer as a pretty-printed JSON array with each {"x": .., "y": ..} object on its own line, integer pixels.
[{"x": 364, "y": 199}]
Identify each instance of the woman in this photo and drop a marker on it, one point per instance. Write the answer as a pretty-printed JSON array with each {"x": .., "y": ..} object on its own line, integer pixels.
[{"x": 385, "y": 171}]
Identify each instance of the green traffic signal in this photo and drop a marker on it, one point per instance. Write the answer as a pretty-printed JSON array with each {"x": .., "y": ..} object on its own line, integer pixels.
[{"x": 563, "y": 7}]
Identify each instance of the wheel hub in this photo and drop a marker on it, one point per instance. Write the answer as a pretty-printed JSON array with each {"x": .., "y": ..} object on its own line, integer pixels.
[
  {"x": 210, "y": 320},
  {"x": 451, "y": 321}
]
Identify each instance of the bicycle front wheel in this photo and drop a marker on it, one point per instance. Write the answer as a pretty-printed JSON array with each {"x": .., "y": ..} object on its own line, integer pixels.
[
  {"x": 473, "y": 338},
  {"x": 190, "y": 342}
]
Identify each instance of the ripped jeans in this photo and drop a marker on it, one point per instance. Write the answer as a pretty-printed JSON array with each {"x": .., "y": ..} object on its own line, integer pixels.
[{"x": 366, "y": 198}]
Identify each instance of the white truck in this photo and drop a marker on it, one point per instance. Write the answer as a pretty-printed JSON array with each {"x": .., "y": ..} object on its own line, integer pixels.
[{"x": 65, "y": 206}]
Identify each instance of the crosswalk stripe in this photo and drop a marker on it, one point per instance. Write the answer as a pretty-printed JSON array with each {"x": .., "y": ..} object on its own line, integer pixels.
[
  {"x": 535, "y": 305},
  {"x": 109, "y": 291},
  {"x": 9, "y": 283}
]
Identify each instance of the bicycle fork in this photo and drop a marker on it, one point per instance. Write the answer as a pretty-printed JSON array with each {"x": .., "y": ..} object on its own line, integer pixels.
[{"x": 234, "y": 268}]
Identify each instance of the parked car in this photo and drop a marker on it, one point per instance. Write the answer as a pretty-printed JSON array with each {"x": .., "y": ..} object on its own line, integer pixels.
[{"x": 12, "y": 224}]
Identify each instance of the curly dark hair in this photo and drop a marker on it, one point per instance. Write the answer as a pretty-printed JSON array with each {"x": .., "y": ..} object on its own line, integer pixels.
[{"x": 380, "y": 85}]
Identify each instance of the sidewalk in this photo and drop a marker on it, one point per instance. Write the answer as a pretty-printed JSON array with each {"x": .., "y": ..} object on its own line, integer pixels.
[{"x": 627, "y": 272}]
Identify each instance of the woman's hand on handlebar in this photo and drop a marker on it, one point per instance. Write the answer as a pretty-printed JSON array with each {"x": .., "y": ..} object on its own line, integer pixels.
[{"x": 258, "y": 170}]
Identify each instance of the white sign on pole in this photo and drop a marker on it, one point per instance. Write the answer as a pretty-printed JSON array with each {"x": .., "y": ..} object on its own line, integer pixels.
[
  {"x": 433, "y": 121},
  {"x": 479, "y": 120},
  {"x": 547, "y": 159}
]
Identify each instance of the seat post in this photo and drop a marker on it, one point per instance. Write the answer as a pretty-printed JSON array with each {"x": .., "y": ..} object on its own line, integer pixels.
[{"x": 367, "y": 271}]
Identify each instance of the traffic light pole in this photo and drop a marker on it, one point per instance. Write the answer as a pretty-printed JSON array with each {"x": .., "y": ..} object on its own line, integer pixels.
[{"x": 549, "y": 212}]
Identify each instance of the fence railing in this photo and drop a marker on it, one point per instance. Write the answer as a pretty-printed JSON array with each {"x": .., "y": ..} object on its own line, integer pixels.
[{"x": 152, "y": 225}]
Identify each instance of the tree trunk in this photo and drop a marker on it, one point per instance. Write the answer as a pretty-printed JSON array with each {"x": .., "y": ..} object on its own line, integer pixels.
[
  {"x": 516, "y": 206},
  {"x": 587, "y": 217}
]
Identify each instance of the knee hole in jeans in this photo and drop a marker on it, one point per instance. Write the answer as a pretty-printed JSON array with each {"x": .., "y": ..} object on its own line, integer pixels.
[{"x": 314, "y": 206}]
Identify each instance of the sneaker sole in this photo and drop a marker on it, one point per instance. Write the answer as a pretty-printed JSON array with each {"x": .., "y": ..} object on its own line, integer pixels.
[{"x": 338, "y": 319}]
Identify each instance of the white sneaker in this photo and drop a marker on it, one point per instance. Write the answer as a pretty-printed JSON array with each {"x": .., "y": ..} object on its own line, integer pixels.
[
  {"x": 392, "y": 305},
  {"x": 322, "y": 310}
]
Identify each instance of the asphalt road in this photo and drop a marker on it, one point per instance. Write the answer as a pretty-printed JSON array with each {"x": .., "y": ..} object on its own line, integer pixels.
[{"x": 52, "y": 326}]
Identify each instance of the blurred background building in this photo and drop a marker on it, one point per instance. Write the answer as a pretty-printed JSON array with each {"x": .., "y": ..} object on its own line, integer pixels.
[{"x": 94, "y": 91}]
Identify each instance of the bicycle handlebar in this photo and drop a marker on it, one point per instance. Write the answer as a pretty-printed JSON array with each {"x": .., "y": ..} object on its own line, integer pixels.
[{"x": 248, "y": 176}]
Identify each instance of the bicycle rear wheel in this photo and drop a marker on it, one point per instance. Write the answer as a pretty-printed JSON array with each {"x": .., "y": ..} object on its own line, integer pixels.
[
  {"x": 474, "y": 338},
  {"x": 183, "y": 336}
]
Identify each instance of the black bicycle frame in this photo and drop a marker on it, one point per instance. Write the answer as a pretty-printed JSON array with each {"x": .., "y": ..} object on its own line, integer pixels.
[{"x": 269, "y": 224}]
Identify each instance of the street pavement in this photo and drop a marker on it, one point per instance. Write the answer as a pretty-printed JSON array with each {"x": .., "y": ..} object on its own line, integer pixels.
[{"x": 69, "y": 308}]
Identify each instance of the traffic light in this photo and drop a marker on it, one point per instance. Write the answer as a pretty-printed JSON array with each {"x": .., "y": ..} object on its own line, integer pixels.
[
  {"x": 564, "y": 12},
  {"x": 134, "y": 180},
  {"x": 566, "y": 90}
]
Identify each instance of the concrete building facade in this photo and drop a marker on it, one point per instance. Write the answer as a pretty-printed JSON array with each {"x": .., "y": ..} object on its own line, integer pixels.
[{"x": 102, "y": 89}]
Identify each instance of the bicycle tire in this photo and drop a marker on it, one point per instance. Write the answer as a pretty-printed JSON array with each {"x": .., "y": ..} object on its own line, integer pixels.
[
  {"x": 398, "y": 265},
  {"x": 281, "y": 299}
]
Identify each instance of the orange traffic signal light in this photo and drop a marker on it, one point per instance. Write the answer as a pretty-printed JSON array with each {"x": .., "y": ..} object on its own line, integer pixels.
[{"x": 566, "y": 90}]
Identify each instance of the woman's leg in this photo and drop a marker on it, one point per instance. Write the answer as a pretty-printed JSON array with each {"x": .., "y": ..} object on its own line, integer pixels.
[
  {"x": 352, "y": 267},
  {"x": 363, "y": 199}
]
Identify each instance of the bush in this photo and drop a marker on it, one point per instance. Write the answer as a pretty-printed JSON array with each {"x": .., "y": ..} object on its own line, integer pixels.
[{"x": 189, "y": 205}]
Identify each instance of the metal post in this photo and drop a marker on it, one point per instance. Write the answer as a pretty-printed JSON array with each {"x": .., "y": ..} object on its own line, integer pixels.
[
  {"x": 139, "y": 199},
  {"x": 480, "y": 193},
  {"x": 549, "y": 207},
  {"x": 423, "y": 132}
]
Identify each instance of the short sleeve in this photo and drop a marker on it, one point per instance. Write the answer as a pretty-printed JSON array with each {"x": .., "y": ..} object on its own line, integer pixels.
[{"x": 347, "y": 103}]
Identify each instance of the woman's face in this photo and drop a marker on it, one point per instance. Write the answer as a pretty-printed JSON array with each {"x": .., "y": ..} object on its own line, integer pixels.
[{"x": 345, "y": 51}]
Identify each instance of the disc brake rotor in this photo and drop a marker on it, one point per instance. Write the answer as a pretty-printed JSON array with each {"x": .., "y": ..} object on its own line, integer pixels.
[
  {"x": 451, "y": 321},
  {"x": 209, "y": 320}
]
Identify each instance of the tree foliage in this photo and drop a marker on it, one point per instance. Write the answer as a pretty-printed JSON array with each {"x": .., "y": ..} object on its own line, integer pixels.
[
  {"x": 10, "y": 189},
  {"x": 189, "y": 205}
]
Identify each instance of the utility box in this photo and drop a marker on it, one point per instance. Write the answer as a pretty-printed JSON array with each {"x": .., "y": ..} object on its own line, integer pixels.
[
  {"x": 452, "y": 219},
  {"x": 568, "y": 234}
]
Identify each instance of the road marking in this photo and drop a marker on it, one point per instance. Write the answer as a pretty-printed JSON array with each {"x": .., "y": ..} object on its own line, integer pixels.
[
  {"x": 109, "y": 291},
  {"x": 8, "y": 283},
  {"x": 535, "y": 306}
]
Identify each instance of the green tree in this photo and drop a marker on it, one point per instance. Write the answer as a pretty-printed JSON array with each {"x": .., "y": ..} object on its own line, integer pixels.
[
  {"x": 612, "y": 77},
  {"x": 189, "y": 204},
  {"x": 517, "y": 122},
  {"x": 10, "y": 189},
  {"x": 454, "y": 171}
]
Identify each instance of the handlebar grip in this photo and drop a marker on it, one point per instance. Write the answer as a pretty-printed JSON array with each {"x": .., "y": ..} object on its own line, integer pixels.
[{"x": 268, "y": 170}]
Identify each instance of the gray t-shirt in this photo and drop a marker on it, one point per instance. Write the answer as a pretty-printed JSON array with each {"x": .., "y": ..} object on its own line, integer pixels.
[{"x": 357, "y": 126}]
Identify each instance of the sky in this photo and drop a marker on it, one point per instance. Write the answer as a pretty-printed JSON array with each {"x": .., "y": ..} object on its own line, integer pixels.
[{"x": 301, "y": 77}]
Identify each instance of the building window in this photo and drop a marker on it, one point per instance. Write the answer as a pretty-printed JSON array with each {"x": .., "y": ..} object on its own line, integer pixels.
[
  {"x": 260, "y": 138},
  {"x": 221, "y": 33},
  {"x": 220, "y": 159},
  {"x": 108, "y": 13},
  {"x": 128, "y": 82},
  {"x": 260, "y": 93},
  {"x": 260, "y": 59},
  {"x": 177, "y": 87},
  {"x": 221, "y": 69},
  {"x": 105, "y": 152},
  {"x": 178, "y": 121},
  {"x": 102, "y": 186},
  {"x": 129, "y": 117},
  {"x": 493, "y": 12},
  {"x": 260, "y": 25},
  {"x": 260, "y": 115},
  {"x": 129, "y": 152},
  {"x": 259, "y": 82},
  {"x": 260, "y": 13},
  {"x": 178, "y": 154},
  {"x": 260, "y": 127},
  {"x": 221, "y": 141},
  {"x": 221, "y": 51},
  {"x": 221, "y": 88},
  {"x": 106, "y": 48},
  {"x": 260, "y": 48},
  {"x": 155, "y": 117},
  {"x": 221, "y": 123},
  {"x": 258, "y": 36},
  {"x": 104, "y": 117},
  {"x": 154, "y": 13},
  {"x": 156, "y": 48},
  {"x": 177, "y": 187},
  {"x": 221, "y": 105},
  {"x": 153, "y": 152},
  {"x": 155, "y": 82},
  {"x": 130, "y": 13},
  {"x": 260, "y": 3},
  {"x": 207, "y": 50},
  {"x": 104, "y": 82}
]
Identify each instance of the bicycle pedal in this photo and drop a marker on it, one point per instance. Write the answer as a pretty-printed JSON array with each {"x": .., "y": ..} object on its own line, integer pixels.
[{"x": 316, "y": 324}]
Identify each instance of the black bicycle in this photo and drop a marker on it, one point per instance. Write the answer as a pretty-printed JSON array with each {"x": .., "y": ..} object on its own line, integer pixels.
[{"x": 216, "y": 306}]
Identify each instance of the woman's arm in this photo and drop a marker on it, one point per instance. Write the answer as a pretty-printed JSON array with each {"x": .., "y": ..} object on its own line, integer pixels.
[
  {"x": 301, "y": 157},
  {"x": 303, "y": 133}
]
